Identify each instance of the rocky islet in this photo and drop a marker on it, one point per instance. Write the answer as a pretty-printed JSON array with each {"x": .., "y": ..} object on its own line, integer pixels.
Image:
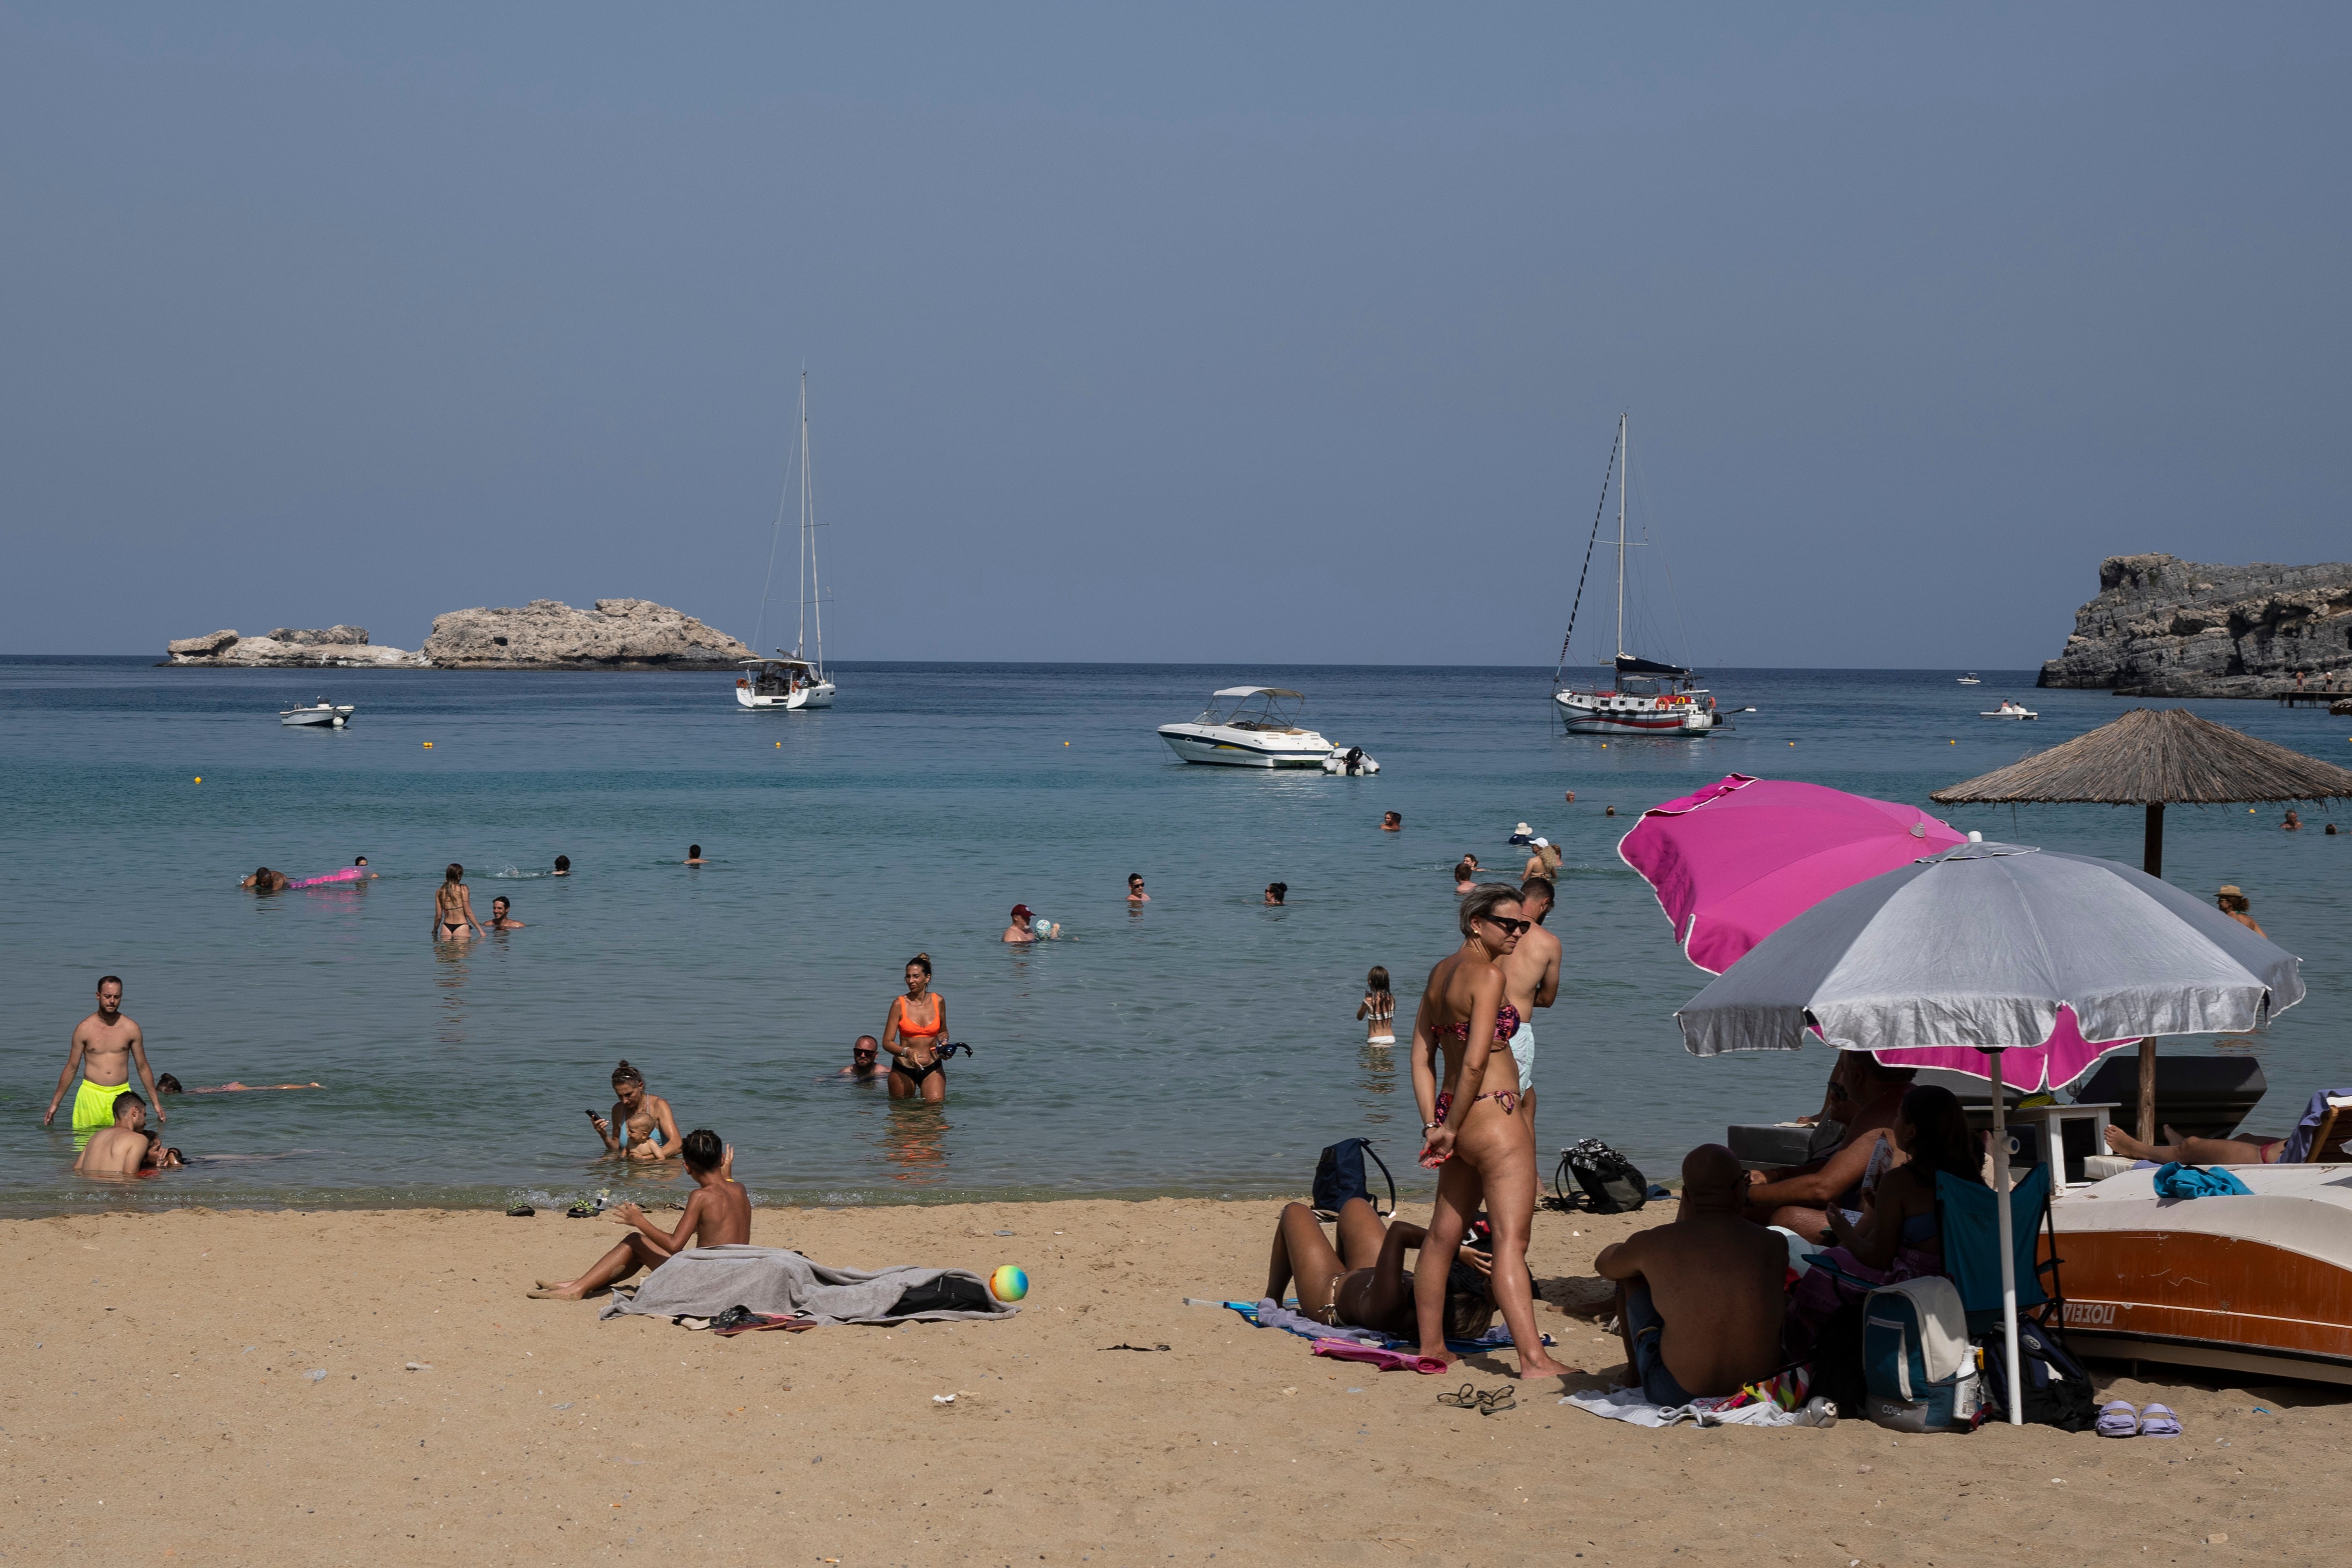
[{"x": 545, "y": 634}]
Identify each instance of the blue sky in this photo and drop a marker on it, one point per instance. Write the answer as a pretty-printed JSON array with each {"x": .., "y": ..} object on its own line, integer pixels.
[{"x": 1184, "y": 334}]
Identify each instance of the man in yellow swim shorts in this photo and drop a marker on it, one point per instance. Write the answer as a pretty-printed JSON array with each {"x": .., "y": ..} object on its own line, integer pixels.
[{"x": 106, "y": 1046}]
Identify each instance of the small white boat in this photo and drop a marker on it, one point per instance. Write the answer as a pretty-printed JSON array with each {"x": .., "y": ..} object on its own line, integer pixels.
[
  {"x": 322, "y": 713},
  {"x": 1256, "y": 726},
  {"x": 2009, "y": 709},
  {"x": 1970, "y": 679},
  {"x": 782, "y": 683}
]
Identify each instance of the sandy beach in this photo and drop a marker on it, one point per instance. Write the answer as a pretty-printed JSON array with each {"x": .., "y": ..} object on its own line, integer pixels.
[{"x": 159, "y": 1409}]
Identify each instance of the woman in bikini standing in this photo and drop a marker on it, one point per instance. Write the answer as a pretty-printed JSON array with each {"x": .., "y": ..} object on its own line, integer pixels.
[
  {"x": 453, "y": 908},
  {"x": 1467, "y": 1085},
  {"x": 912, "y": 1032}
]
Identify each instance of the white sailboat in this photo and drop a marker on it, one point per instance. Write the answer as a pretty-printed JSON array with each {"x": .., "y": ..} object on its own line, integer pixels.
[
  {"x": 798, "y": 680},
  {"x": 1649, "y": 697}
]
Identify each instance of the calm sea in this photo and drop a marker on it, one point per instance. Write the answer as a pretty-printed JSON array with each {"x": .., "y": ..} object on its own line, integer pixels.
[{"x": 1204, "y": 1044}]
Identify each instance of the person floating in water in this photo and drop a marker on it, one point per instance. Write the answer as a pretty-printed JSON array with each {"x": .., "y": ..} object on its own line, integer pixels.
[
  {"x": 865, "y": 1060},
  {"x": 500, "y": 920},
  {"x": 264, "y": 880},
  {"x": 912, "y": 1032},
  {"x": 106, "y": 1046},
  {"x": 694, "y": 854},
  {"x": 167, "y": 1084},
  {"x": 453, "y": 908},
  {"x": 718, "y": 1215},
  {"x": 562, "y": 866},
  {"x": 647, "y": 1127},
  {"x": 120, "y": 1149},
  {"x": 1275, "y": 891}
]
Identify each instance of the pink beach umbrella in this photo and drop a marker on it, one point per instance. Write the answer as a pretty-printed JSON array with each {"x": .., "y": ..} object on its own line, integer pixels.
[{"x": 1734, "y": 862}]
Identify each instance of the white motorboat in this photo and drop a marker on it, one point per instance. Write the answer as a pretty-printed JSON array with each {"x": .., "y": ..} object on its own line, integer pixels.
[
  {"x": 782, "y": 683},
  {"x": 2009, "y": 709},
  {"x": 1255, "y": 726},
  {"x": 1970, "y": 679},
  {"x": 322, "y": 714},
  {"x": 1647, "y": 698},
  {"x": 791, "y": 682}
]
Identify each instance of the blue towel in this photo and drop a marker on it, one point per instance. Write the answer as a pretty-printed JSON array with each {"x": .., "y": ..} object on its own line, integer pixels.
[{"x": 2177, "y": 1180}]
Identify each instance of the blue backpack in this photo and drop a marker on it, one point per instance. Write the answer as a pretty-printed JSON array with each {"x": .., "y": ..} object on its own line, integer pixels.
[{"x": 1918, "y": 1369}]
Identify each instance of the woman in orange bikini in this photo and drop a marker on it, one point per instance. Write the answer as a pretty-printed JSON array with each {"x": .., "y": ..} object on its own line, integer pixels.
[
  {"x": 912, "y": 1033},
  {"x": 1467, "y": 1085}
]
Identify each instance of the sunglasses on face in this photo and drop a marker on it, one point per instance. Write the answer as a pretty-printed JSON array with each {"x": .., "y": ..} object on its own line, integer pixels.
[{"x": 1510, "y": 927}]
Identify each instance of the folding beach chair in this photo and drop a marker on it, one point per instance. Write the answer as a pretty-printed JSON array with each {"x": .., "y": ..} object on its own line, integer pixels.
[
  {"x": 2328, "y": 1144},
  {"x": 1968, "y": 1215}
]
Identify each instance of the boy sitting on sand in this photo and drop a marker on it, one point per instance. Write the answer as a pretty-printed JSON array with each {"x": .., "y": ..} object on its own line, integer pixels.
[{"x": 718, "y": 1215}]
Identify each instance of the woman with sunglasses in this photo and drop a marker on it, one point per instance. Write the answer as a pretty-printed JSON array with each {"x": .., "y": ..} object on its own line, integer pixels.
[
  {"x": 912, "y": 1032},
  {"x": 1467, "y": 1085}
]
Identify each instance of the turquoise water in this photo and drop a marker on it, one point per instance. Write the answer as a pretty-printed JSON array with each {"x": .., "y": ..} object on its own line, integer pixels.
[{"x": 1203, "y": 1045}]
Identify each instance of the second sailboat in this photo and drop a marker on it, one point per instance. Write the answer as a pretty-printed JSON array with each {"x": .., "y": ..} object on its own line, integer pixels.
[{"x": 797, "y": 680}]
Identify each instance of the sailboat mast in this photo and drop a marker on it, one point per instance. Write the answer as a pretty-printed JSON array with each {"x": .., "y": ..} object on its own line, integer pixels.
[
  {"x": 1624, "y": 469},
  {"x": 800, "y": 626},
  {"x": 808, "y": 528}
]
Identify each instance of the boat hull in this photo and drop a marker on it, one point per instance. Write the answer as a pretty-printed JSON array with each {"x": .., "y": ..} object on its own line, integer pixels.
[
  {"x": 815, "y": 696},
  {"x": 1608, "y": 713},
  {"x": 2256, "y": 1284},
  {"x": 1225, "y": 748},
  {"x": 316, "y": 718}
]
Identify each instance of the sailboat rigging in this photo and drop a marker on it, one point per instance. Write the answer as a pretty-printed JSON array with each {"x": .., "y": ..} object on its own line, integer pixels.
[
  {"x": 1649, "y": 698},
  {"x": 798, "y": 680}
]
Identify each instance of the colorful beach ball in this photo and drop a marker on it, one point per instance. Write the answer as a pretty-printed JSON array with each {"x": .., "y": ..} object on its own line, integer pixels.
[{"x": 1009, "y": 1283}]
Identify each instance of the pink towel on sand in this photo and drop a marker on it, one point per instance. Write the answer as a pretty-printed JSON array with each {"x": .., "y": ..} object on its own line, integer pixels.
[{"x": 1386, "y": 1360}]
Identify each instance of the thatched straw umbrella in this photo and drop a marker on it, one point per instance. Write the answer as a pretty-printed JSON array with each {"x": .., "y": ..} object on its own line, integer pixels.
[{"x": 2152, "y": 758}]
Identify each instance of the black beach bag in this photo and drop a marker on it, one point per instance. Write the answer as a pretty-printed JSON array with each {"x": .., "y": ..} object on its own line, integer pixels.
[
  {"x": 1340, "y": 1175},
  {"x": 1611, "y": 1183},
  {"x": 2057, "y": 1391}
]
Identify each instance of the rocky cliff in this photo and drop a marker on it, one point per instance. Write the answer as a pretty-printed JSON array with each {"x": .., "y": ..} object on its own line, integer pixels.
[
  {"x": 545, "y": 634},
  {"x": 2162, "y": 626}
]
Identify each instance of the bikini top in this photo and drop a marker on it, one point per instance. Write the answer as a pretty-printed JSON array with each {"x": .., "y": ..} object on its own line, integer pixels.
[
  {"x": 1506, "y": 1024},
  {"x": 906, "y": 1025}
]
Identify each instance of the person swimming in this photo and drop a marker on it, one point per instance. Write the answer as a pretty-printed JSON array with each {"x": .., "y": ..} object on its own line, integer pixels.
[
  {"x": 912, "y": 1031},
  {"x": 500, "y": 920},
  {"x": 694, "y": 854},
  {"x": 453, "y": 908},
  {"x": 1275, "y": 891},
  {"x": 562, "y": 866},
  {"x": 264, "y": 880},
  {"x": 167, "y": 1084},
  {"x": 647, "y": 1127}
]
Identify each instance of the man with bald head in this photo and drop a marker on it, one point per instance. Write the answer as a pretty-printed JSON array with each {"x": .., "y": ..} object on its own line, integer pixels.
[{"x": 1700, "y": 1301}]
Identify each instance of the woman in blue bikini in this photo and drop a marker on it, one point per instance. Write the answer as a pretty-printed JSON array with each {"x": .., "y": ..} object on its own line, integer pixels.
[{"x": 1467, "y": 1085}]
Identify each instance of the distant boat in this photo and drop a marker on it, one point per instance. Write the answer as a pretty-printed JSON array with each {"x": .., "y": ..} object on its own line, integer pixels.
[
  {"x": 2009, "y": 709},
  {"x": 1970, "y": 679},
  {"x": 1649, "y": 697},
  {"x": 791, "y": 682},
  {"x": 1257, "y": 726},
  {"x": 322, "y": 715}
]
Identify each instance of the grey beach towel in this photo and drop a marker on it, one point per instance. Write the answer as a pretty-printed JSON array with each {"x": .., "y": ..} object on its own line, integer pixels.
[{"x": 704, "y": 1281}]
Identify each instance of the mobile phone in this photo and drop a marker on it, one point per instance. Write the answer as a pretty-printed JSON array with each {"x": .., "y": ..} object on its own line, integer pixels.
[{"x": 591, "y": 1112}]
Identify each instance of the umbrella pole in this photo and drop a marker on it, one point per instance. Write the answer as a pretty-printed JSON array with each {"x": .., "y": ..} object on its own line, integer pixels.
[
  {"x": 2151, "y": 860},
  {"x": 2008, "y": 1245}
]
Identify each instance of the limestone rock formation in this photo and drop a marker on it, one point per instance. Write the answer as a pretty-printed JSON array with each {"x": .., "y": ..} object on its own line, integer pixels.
[
  {"x": 547, "y": 634},
  {"x": 339, "y": 634},
  {"x": 337, "y": 648},
  {"x": 2164, "y": 627}
]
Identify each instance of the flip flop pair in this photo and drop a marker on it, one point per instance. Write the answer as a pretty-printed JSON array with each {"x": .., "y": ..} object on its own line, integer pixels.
[
  {"x": 2121, "y": 1418},
  {"x": 1492, "y": 1402}
]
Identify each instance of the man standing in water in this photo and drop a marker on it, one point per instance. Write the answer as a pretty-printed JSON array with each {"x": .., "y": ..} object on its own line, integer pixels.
[
  {"x": 106, "y": 1046},
  {"x": 1530, "y": 981}
]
